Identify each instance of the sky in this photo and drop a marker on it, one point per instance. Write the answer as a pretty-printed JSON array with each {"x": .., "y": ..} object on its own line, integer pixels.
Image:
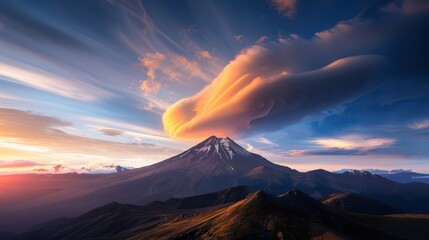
[{"x": 87, "y": 85}]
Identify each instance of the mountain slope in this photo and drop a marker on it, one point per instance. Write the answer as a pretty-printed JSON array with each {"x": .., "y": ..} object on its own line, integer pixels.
[
  {"x": 212, "y": 165},
  {"x": 120, "y": 221},
  {"x": 293, "y": 215},
  {"x": 358, "y": 203},
  {"x": 257, "y": 215},
  {"x": 407, "y": 177}
]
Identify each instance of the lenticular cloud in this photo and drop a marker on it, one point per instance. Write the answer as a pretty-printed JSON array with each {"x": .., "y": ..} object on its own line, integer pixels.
[
  {"x": 267, "y": 87},
  {"x": 249, "y": 95}
]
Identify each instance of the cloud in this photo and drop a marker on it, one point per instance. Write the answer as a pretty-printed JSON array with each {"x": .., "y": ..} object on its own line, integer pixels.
[
  {"x": 414, "y": 6},
  {"x": 205, "y": 54},
  {"x": 58, "y": 168},
  {"x": 238, "y": 38},
  {"x": 150, "y": 86},
  {"x": 261, "y": 40},
  {"x": 111, "y": 132},
  {"x": 51, "y": 82},
  {"x": 269, "y": 87},
  {"x": 163, "y": 54},
  {"x": 127, "y": 128},
  {"x": 420, "y": 125},
  {"x": 19, "y": 164},
  {"x": 16, "y": 144},
  {"x": 354, "y": 142},
  {"x": 151, "y": 62},
  {"x": 286, "y": 8},
  {"x": 40, "y": 170},
  {"x": 165, "y": 68},
  {"x": 347, "y": 145},
  {"x": 19, "y": 19},
  {"x": 32, "y": 129},
  {"x": 249, "y": 95},
  {"x": 324, "y": 152},
  {"x": 266, "y": 141}
]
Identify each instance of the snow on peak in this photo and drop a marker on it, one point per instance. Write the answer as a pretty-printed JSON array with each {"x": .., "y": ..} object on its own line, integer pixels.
[
  {"x": 224, "y": 147},
  {"x": 358, "y": 172},
  {"x": 226, "y": 143}
]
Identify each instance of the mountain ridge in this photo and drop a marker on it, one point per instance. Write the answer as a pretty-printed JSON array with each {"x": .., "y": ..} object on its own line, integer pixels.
[
  {"x": 256, "y": 214},
  {"x": 209, "y": 166}
]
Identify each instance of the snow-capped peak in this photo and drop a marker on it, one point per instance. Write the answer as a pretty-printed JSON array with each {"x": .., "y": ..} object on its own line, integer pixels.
[
  {"x": 225, "y": 148},
  {"x": 358, "y": 172}
]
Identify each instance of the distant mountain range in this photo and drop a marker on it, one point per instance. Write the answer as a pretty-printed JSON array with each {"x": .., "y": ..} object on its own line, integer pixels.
[
  {"x": 234, "y": 213},
  {"x": 397, "y": 175},
  {"x": 210, "y": 166}
]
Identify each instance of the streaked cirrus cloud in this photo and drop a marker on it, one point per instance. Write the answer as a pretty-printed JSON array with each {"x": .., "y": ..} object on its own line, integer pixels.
[{"x": 24, "y": 133}]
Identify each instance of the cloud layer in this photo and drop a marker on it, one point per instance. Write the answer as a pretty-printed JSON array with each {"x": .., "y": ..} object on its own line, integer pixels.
[
  {"x": 26, "y": 134},
  {"x": 271, "y": 86}
]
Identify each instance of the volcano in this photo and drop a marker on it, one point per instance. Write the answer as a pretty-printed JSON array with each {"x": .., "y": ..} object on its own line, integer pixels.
[{"x": 212, "y": 165}]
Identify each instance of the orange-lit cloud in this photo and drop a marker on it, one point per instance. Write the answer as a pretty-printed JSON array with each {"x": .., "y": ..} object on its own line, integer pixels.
[
  {"x": 205, "y": 54},
  {"x": 150, "y": 86},
  {"x": 285, "y": 7},
  {"x": 164, "y": 68},
  {"x": 257, "y": 91},
  {"x": 262, "y": 39}
]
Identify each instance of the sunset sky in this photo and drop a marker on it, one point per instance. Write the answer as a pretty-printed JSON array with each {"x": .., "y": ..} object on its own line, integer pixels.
[{"x": 88, "y": 85}]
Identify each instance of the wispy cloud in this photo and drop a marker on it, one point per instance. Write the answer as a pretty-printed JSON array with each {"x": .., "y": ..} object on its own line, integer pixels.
[
  {"x": 163, "y": 69},
  {"x": 420, "y": 125},
  {"x": 286, "y": 8},
  {"x": 266, "y": 141},
  {"x": 52, "y": 83},
  {"x": 111, "y": 132},
  {"x": 262, "y": 39},
  {"x": 239, "y": 38},
  {"x": 34, "y": 132},
  {"x": 354, "y": 142},
  {"x": 206, "y": 55},
  {"x": 13, "y": 143},
  {"x": 127, "y": 128},
  {"x": 19, "y": 164}
]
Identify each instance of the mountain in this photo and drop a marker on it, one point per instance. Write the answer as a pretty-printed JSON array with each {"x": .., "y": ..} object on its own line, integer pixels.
[
  {"x": 358, "y": 203},
  {"x": 256, "y": 215},
  {"x": 121, "y": 221},
  {"x": 205, "y": 200},
  {"x": 397, "y": 175},
  {"x": 374, "y": 170},
  {"x": 120, "y": 169},
  {"x": 210, "y": 166},
  {"x": 407, "y": 177}
]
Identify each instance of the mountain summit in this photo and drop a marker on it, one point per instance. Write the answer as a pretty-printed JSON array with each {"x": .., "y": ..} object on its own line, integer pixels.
[{"x": 217, "y": 156}]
